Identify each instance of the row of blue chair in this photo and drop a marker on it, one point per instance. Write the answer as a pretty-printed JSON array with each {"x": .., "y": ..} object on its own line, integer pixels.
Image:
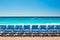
[{"x": 26, "y": 28}]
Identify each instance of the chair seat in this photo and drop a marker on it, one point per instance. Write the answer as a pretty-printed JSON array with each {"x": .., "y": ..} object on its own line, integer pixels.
[
  {"x": 8, "y": 30},
  {"x": 26, "y": 30},
  {"x": 58, "y": 30},
  {"x": 35, "y": 30},
  {"x": 17, "y": 30},
  {"x": 1, "y": 30},
  {"x": 43, "y": 30},
  {"x": 52, "y": 30}
]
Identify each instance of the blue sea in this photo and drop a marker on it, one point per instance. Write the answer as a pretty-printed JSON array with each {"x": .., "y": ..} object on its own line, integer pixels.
[{"x": 28, "y": 20}]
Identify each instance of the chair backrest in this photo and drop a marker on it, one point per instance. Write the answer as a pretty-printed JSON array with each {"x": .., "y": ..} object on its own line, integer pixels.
[
  {"x": 26, "y": 26},
  {"x": 42, "y": 26},
  {"x": 2, "y": 26},
  {"x": 34, "y": 26},
  {"x": 18, "y": 27},
  {"x": 10, "y": 27},
  {"x": 57, "y": 27},
  {"x": 51, "y": 26}
]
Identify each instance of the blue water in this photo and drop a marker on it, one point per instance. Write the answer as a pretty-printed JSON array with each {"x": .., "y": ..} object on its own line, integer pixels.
[{"x": 22, "y": 20}]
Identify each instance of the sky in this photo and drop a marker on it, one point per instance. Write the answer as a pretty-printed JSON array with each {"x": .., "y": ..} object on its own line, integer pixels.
[{"x": 29, "y": 7}]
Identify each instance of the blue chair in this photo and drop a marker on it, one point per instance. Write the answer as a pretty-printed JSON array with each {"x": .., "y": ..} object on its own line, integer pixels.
[
  {"x": 35, "y": 28},
  {"x": 26, "y": 28},
  {"x": 2, "y": 28},
  {"x": 18, "y": 28},
  {"x": 51, "y": 28},
  {"x": 43, "y": 29},
  {"x": 57, "y": 28},
  {"x": 9, "y": 28}
]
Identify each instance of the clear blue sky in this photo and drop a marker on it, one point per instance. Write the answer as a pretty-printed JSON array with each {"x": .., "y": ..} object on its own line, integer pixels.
[{"x": 30, "y": 7}]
